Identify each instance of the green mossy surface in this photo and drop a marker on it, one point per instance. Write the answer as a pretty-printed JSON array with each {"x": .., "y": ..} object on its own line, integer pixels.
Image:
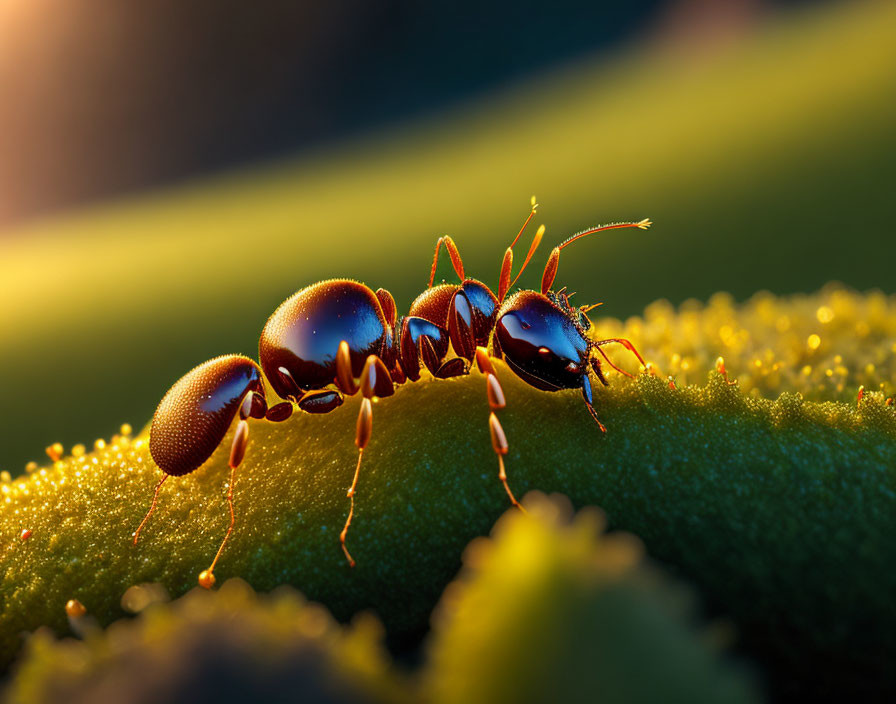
[
  {"x": 781, "y": 512},
  {"x": 547, "y": 610}
]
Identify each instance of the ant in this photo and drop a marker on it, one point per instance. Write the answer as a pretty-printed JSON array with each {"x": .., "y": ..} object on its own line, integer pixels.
[{"x": 338, "y": 337}]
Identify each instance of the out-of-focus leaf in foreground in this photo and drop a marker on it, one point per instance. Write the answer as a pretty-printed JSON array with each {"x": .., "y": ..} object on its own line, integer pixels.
[
  {"x": 546, "y": 611},
  {"x": 230, "y": 646},
  {"x": 549, "y": 611},
  {"x": 782, "y": 513}
]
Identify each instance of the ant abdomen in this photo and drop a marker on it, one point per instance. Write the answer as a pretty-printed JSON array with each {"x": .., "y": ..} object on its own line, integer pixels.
[{"x": 196, "y": 413}]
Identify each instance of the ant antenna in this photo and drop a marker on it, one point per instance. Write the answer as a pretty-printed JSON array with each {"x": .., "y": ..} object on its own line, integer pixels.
[
  {"x": 505, "y": 283},
  {"x": 534, "y": 205},
  {"x": 456, "y": 261},
  {"x": 550, "y": 269},
  {"x": 641, "y": 225}
]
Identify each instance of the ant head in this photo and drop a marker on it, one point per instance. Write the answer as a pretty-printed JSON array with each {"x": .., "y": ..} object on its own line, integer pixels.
[
  {"x": 542, "y": 341},
  {"x": 544, "y": 338}
]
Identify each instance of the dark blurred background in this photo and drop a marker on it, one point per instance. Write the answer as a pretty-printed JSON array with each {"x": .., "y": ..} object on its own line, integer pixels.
[
  {"x": 170, "y": 171},
  {"x": 106, "y": 98}
]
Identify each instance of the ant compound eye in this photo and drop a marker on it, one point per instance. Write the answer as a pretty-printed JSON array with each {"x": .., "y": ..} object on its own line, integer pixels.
[{"x": 584, "y": 322}]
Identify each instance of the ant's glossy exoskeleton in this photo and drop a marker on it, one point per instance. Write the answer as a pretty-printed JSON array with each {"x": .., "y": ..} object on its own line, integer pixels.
[{"x": 339, "y": 337}]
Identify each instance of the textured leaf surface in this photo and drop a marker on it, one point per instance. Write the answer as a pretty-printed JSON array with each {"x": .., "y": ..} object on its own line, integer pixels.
[
  {"x": 547, "y": 610},
  {"x": 781, "y": 512}
]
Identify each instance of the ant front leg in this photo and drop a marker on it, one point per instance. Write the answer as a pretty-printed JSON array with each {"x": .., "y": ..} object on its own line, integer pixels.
[
  {"x": 496, "y": 402},
  {"x": 625, "y": 343},
  {"x": 375, "y": 381},
  {"x": 589, "y": 398},
  {"x": 595, "y": 366}
]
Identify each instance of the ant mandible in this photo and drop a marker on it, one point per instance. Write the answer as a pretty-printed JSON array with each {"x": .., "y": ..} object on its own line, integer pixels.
[{"x": 339, "y": 337}]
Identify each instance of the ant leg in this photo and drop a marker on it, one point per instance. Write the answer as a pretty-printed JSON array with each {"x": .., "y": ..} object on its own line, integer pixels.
[
  {"x": 456, "y": 261},
  {"x": 453, "y": 367},
  {"x": 589, "y": 401},
  {"x": 345, "y": 379},
  {"x": 496, "y": 401},
  {"x": 279, "y": 412},
  {"x": 621, "y": 371},
  {"x": 427, "y": 354},
  {"x": 320, "y": 401},
  {"x": 625, "y": 343},
  {"x": 152, "y": 507},
  {"x": 595, "y": 366},
  {"x": 387, "y": 303},
  {"x": 362, "y": 436},
  {"x": 253, "y": 405},
  {"x": 375, "y": 381},
  {"x": 237, "y": 452},
  {"x": 421, "y": 341},
  {"x": 460, "y": 320}
]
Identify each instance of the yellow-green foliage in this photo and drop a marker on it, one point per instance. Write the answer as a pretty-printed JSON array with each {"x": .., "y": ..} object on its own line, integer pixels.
[
  {"x": 781, "y": 512},
  {"x": 824, "y": 346},
  {"x": 547, "y": 611}
]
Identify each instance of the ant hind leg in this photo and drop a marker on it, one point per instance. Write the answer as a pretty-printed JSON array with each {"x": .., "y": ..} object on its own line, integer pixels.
[
  {"x": 237, "y": 452},
  {"x": 152, "y": 507},
  {"x": 375, "y": 381}
]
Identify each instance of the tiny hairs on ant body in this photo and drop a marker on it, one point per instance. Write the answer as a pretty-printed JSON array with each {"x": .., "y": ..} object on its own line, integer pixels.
[{"x": 339, "y": 337}]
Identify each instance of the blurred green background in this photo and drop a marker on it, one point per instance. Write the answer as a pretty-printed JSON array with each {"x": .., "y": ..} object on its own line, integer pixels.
[{"x": 160, "y": 197}]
